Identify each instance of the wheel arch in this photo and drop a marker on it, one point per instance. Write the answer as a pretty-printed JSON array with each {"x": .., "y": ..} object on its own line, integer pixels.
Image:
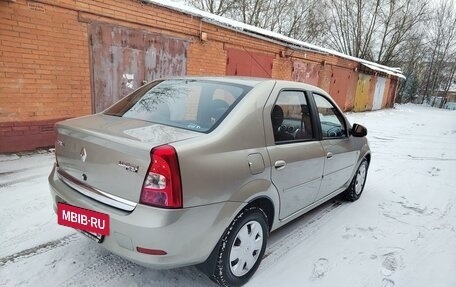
[
  {"x": 368, "y": 158},
  {"x": 265, "y": 204}
]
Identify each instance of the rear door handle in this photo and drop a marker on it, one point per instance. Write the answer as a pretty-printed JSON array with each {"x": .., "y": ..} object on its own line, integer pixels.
[
  {"x": 329, "y": 155},
  {"x": 280, "y": 164}
]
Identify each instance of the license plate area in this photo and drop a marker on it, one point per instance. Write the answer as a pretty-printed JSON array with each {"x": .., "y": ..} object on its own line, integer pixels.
[{"x": 93, "y": 224}]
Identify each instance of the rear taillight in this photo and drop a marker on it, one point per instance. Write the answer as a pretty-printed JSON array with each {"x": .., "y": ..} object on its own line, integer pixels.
[{"x": 162, "y": 185}]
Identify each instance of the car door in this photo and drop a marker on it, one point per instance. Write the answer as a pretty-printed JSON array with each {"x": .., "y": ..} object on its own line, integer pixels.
[
  {"x": 297, "y": 157},
  {"x": 340, "y": 154}
]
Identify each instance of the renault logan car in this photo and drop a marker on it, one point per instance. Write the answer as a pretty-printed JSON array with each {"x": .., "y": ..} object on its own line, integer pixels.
[{"x": 198, "y": 171}]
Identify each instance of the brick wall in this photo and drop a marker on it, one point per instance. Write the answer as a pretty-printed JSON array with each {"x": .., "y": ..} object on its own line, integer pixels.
[
  {"x": 282, "y": 68},
  {"x": 207, "y": 58},
  {"x": 45, "y": 66},
  {"x": 43, "y": 72}
]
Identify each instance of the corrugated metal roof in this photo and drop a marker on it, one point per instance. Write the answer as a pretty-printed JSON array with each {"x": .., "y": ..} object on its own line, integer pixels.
[{"x": 267, "y": 35}]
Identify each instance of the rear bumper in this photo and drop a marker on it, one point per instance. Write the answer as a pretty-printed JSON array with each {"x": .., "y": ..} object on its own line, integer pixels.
[{"x": 187, "y": 235}]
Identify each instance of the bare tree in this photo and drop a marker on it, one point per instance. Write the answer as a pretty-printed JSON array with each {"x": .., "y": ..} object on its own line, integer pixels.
[
  {"x": 398, "y": 21},
  {"x": 374, "y": 30},
  {"x": 450, "y": 78},
  {"x": 351, "y": 25},
  {"x": 410, "y": 59},
  {"x": 297, "y": 19},
  {"x": 442, "y": 49},
  {"x": 218, "y": 7},
  {"x": 306, "y": 21}
]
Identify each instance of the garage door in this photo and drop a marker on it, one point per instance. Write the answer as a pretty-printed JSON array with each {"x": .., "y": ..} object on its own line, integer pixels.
[
  {"x": 306, "y": 72},
  {"x": 340, "y": 80},
  {"x": 122, "y": 59},
  {"x": 362, "y": 92},
  {"x": 247, "y": 63},
  {"x": 378, "y": 94}
]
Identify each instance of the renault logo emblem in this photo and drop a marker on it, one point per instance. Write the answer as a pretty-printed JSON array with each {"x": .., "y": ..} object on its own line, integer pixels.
[{"x": 83, "y": 154}]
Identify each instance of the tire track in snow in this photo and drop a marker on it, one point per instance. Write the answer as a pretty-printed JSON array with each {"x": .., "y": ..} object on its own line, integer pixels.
[
  {"x": 103, "y": 268},
  {"x": 23, "y": 175},
  {"x": 22, "y": 169},
  {"x": 42, "y": 248},
  {"x": 315, "y": 220},
  {"x": 106, "y": 267},
  {"x": 23, "y": 179}
]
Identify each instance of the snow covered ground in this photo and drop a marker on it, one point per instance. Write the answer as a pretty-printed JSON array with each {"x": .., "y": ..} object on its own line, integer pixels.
[{"x": 402, "y": 232}]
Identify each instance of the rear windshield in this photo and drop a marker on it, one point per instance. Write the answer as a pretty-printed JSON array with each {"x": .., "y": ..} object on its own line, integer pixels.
[{"x": 197, "y": 105}]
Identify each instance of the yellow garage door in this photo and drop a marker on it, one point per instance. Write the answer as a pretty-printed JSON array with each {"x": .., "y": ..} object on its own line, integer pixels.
[{"x": 362, "y": 92}]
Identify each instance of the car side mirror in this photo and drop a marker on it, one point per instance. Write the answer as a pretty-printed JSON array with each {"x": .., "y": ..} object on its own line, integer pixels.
[{"x": 358, "y": 130}]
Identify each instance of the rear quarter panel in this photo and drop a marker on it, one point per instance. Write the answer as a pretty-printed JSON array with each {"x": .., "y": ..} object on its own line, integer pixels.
[{"x": 215, "y": 167}]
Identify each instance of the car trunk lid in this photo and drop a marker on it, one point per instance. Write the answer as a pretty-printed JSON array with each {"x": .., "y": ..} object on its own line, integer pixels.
[{"x": 106, "y": 156}]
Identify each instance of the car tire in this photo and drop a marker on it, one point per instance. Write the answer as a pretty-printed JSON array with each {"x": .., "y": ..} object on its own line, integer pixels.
[
  {"x": 356, "y": 187},
  {"x": 241, "y": 249}
]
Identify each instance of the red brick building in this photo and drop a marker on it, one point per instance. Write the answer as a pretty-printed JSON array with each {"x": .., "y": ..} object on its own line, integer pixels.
[{"x": 66, "y": 58}]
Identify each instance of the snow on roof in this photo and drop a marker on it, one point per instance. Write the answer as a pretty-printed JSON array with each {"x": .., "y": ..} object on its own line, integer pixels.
[
  {"x": 266, "y": 34},
  {"x": 396, "y": 73}
]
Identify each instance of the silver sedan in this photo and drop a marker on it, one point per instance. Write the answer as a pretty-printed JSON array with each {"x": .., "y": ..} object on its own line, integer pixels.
[{"x": 199, "y": 171}]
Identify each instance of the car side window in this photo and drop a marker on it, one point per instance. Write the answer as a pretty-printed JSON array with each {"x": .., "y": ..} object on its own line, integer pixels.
[
  {"x": 290, "y": 117},
  {"x": 331, "y": 120}
]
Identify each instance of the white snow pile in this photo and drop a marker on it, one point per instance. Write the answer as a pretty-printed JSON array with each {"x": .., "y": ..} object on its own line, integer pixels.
[{"x": 401, "y": 232}]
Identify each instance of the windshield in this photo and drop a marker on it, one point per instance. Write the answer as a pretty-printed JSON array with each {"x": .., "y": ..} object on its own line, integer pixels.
[{"x": 198, "y": 105}]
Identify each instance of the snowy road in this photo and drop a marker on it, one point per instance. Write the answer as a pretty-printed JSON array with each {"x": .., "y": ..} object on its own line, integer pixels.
[{"x": 402, "y": 232}]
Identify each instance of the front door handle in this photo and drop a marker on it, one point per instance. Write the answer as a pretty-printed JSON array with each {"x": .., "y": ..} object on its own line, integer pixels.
[
  {"x": 280, "y": 164},
  {"x": 329, "y": 155}
]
